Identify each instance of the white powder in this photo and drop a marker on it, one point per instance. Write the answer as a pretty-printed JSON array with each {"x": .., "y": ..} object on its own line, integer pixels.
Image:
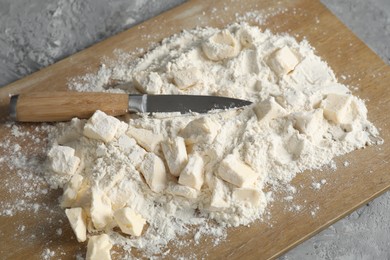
[
  {"x": 277, "y": 148},
  {"x": 235, "y": 62},
  {"x": 47, "y": 254},
  {"x": 316, "y": 185},
  {"x": 23, "y": 161}
]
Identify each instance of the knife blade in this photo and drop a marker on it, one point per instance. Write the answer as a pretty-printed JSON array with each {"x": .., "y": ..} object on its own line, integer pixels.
[{"x": 63, "y": 106}]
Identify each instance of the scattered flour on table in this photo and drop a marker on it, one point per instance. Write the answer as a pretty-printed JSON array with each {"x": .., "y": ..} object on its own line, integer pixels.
[
  {"x": 142, "y": 181},
  {"x": 15, "y": 157}
]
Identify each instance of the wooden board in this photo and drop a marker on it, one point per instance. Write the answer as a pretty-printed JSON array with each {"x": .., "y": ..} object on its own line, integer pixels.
[{"x": 346, "y": 189}]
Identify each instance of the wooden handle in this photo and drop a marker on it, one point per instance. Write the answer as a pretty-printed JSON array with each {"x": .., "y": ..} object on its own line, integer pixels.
[{"x": 63, "y": 106}]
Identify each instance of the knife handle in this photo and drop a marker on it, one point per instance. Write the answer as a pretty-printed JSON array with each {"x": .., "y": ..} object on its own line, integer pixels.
[{"x": 63, "y": 106}]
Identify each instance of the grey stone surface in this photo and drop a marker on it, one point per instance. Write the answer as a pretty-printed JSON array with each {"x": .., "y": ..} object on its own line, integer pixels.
[
  {"x": 368, "y": 19},
  {"x": 34, "y": 34}
]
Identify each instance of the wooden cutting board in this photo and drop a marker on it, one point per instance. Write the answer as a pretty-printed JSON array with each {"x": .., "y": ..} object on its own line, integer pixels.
[{"x": 346, "y": 189}]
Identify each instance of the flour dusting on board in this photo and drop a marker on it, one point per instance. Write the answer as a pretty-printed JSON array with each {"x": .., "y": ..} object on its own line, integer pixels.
[{"x": 142, "y": 181}]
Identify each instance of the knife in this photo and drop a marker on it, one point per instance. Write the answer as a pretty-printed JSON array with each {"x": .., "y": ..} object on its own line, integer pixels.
[{"x": 63, "y": 106}]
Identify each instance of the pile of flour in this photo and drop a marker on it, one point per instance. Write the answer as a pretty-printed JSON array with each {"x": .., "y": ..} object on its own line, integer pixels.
[{"x": 300, "y": 119}]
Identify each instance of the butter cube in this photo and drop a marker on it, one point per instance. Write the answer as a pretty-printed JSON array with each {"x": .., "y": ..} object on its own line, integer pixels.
[
  {"x": 129, "y": 221},
  {"x": 63, "y": 160},
  {"x": 99, "y": 247},
  {"x": 310, "y": 123},
  {"x": 201, "y": 130},
  {"x": 101, "y": 127},
  {"x": 337, "y": 108},
  {"x": 82, "y": 199},
  {"x": 283, "y": 61},
  {"x": 221, "y": 46},
  {"x": 249, "y": 197},
  {"x": 220, "y": 198},
  {"x": 149, "y": 83},
  {"x": 186, "y": 78},
  {"x": 250, "y": 35},
  {"x": 268, "y": 110},
  {"x": 153, "y": 170},
  {"x": 236, "y": 172},
  {"x": 183, "y": 191},
  {"x": 77, "y": 220},
  {"x": 175, "y": 154},
  {"x": 71, "y": 190},
  {"x": 101, "y": 212},
  {"x": 193, "y": 173},
  {"x": 145, "y": 138}
]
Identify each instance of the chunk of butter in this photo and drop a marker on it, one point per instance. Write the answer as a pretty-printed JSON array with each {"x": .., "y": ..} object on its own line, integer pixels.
[
  {"x": 145, "y": 138},
  {"x": 99, "y": 247},
  {"x": 175, "y": 154},
  {"x": 221, "y": 46},
  {"x": 183, "y": 191},
  {"x": 62, "y": 160},
  {"x": 71, "y": 190},
  {"x": 129, "y": 221},
  {"x": 101, "y": 127},
  {"x": 310, "y": 123},
  {"x": 78, "y": 222},
  {"x": 200, "y": 130},
  {"x": 337, "y": 108},
  {"x": 236, "y": 172},
  {"x": 193, "y": 173},
  {"x": 153, "y": 170},
  {"x": 149, "y": 83},
  {"x": 283, "y": 61},
  {"x": 186, "y": 78},
  {"x": 268, "y": 110},
  {"x": 101, "y": 212}
]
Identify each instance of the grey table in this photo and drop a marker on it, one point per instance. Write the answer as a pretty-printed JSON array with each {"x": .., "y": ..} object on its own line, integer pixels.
[{"x": 34, "y": 34}]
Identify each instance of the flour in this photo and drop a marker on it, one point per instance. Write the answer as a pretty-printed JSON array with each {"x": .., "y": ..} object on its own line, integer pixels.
[
  {"x": 19, "y": 165},
  {"x": 300, "y": 119},
  {"x": 47, "y": 254}
]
